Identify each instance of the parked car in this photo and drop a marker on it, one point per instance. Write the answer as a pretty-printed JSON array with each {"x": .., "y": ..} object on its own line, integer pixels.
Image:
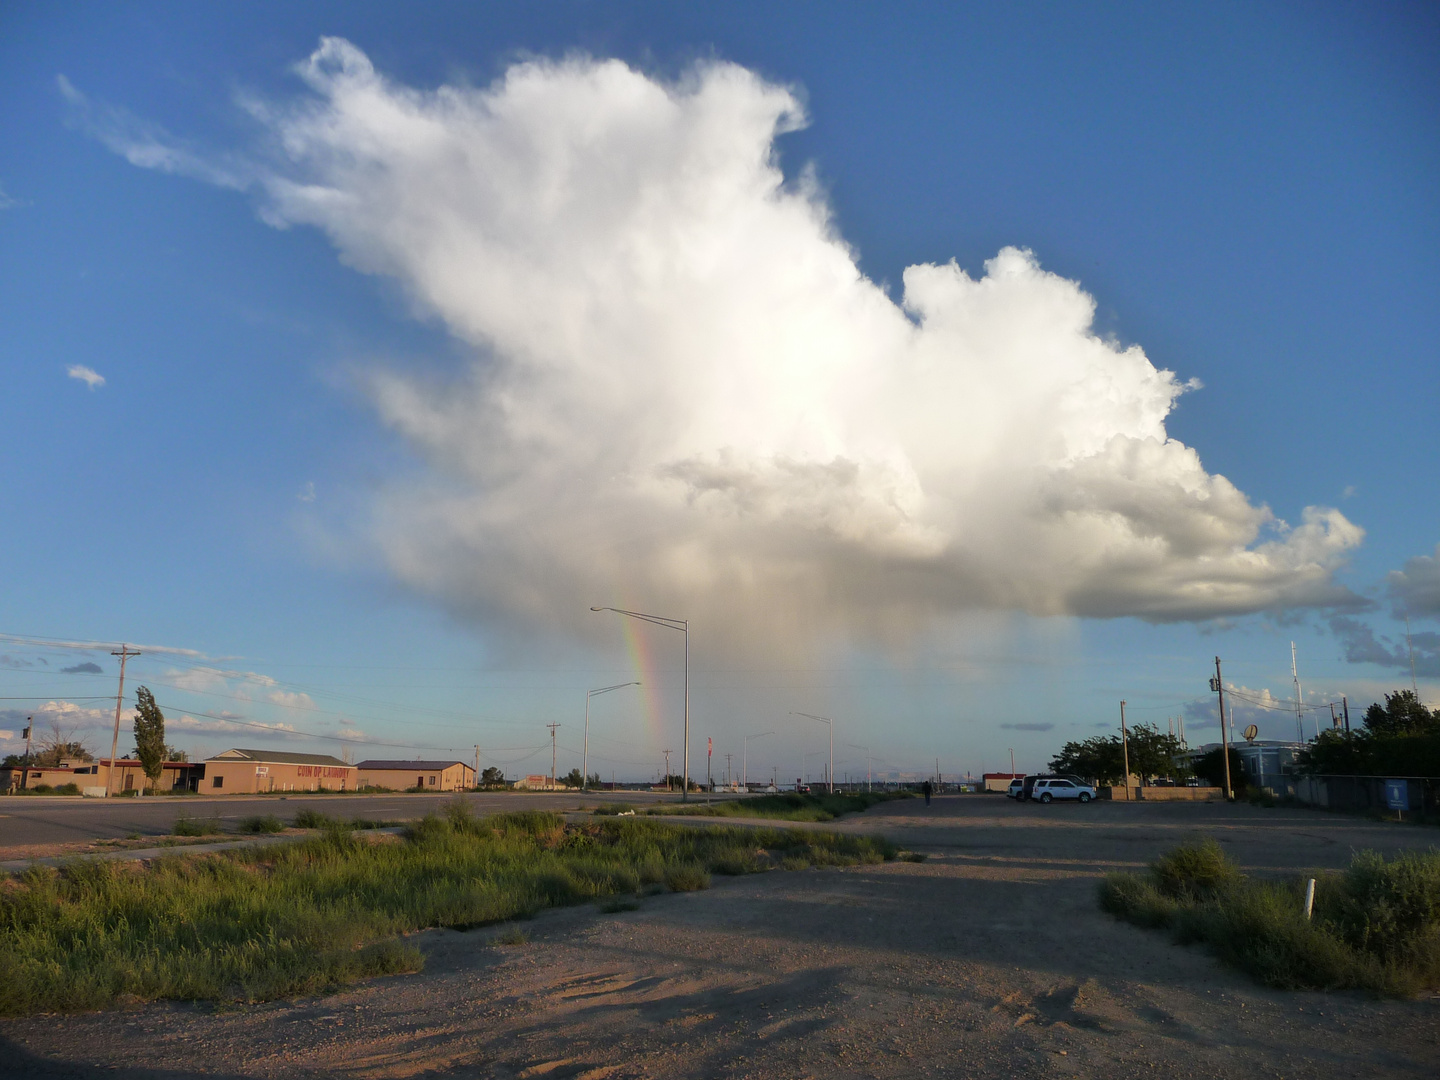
[
  {"x": 1061, "y": 788},
  {"x": 1027, "y": 792},
  {"x": 1016, "y": 786}
]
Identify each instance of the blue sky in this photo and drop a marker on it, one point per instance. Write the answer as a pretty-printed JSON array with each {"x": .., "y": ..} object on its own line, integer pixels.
[{"x": 290, "y": 470}]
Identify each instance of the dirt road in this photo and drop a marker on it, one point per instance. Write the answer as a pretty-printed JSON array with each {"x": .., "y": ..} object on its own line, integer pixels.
[{"x": 990, "y": 959}]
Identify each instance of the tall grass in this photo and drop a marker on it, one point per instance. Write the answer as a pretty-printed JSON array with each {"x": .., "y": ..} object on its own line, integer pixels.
[
  {"x": 258, "y": 923},
  {"x": 789, "y": 806},
  {"x": 1375, "y": 927}
]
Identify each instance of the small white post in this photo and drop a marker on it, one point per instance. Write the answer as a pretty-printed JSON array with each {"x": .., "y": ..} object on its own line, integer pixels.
[{"x": 1309, "y": 898}]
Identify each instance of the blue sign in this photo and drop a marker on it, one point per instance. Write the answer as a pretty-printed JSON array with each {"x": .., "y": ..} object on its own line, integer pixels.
[{"x": 1397, "y": 794}]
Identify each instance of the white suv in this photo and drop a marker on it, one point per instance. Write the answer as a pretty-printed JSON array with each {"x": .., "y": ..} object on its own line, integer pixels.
[{"x": 1050, "y": 790}]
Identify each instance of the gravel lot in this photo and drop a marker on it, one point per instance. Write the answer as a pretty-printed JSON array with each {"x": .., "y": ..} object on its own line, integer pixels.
[{"x": 989, "y": 959}]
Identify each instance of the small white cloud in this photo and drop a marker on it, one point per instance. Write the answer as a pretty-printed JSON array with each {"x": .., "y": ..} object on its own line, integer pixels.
[
  {"x": 88, "y": 375},
  {"x": 7, "y": 202},
  {"x": 307, "y": 493},
  {"x": 1349, "y": 492}
]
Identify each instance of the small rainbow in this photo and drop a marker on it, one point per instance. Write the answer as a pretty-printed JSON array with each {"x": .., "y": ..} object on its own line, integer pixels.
[{"x": 642, "y": 657}]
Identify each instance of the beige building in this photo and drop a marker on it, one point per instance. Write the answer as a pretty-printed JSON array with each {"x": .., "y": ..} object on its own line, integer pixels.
[
  {"x": 429, "y": 775},
  {"x": 245, "y": 772},
  {"x": 91, "y": 776}
]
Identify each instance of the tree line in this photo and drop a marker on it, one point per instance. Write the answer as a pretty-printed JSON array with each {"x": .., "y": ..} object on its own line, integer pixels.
[{"x": 1400, "y": 737}]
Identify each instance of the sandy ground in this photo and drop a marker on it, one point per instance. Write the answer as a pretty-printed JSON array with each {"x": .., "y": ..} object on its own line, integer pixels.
[{"x": 989, "y": 959}]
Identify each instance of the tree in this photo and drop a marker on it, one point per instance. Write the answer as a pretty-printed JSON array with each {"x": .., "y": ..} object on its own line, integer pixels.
[
  {"x": 1211, "y": 767},
  {"x": 1102, "y": 757},
  {"x": 1402, "y": 714},
  {"x": 1153, "y": 752},
  {"x": 60, "y": 746},
  {"x": 1098, "y": 758},
  {"x": 492, "y": 777},
  {"x": 149, "y": 735},
  {"x": 572, "y": 778}
]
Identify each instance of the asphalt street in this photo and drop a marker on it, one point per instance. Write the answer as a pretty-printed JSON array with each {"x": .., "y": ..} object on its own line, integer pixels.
[{"x": 27, "y": 820}]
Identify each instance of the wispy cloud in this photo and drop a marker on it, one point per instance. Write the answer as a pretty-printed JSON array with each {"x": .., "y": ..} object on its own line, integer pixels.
[
  {"x": 307, "y": 493},
  {"x": 89, "y": 667},
  {"x": 139, "y": 141},
  {"x": 88, "y": 375},
  {"x": 1362, "y": 645},
  {"x": 1028, "y": 727},
  {"x": 7, "y": 202}
]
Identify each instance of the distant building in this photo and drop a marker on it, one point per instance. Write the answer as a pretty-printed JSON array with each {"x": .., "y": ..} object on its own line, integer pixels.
[
  {"x": 431, "y": 775},
  {"x": 999, "y": 781},
  {"x": 249, "y": 771},
  {"x": 1268, "y": 763},
  {"x": 539, "y": 782}
]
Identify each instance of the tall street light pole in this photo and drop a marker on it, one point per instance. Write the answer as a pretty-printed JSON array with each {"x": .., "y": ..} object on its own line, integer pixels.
[
  {"x": 585, "y": 768},
  {"x": 745, "y": 760},
  {"x": 683, "y": 625},
  {"x": 831, "y": 725}
]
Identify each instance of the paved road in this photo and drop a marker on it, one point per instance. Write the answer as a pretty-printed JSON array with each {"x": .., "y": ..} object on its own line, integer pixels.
[{"x": 26, "y": 821}]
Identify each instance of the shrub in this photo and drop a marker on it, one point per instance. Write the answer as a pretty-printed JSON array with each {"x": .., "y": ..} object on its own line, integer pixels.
[
  {"x": 1376, "y": 926},
  {"x": 1194, "y": 870},
  {"x": 687, "y": 878},
  {"x": 266, "y": 823},
  {"x": 188, "y": 826}
]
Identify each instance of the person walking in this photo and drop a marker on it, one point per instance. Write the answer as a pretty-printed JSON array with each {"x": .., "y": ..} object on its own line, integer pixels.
[{"x": 927, "y": 789}]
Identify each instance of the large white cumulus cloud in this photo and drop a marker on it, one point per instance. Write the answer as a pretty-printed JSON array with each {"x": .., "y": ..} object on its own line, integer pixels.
[{"x": 686, "y": 396}]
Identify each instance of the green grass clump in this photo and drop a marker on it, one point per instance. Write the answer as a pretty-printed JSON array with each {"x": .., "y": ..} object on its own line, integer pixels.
[
  {"x": 188, "y": 826},
  {"x": 315, "y": 913},
  {"x": 791, "y": 806},
  {"x": 261, "y": 823},
  {"x": 314, "y": 819},
  {"x": 687, "y": 878},
  {"x": 1375, "y": 927}
]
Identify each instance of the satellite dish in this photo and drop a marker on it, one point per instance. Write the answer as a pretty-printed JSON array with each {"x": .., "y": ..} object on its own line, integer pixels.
[{"x": 1251, "y": 732}]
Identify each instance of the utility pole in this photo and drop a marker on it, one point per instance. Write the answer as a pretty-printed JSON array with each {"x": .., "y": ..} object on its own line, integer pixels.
[
  {"x": 1345, "y": 711},
  {"x": 1217, "y": 684},
  {"x": 668, "y": 787},
  {"x": 25, "y": 773},
  {"x": 1295, "y": 674},
  {"x": 125, "y": 653},
  {"x": 1012, "y": 761},
  {"x": 552, "y": 728},
  {"x": 1124, "y": 749},
  {"x": 727, "y": 769}
]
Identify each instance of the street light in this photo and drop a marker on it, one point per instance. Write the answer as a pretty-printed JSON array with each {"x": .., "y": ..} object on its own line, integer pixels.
[
  {"x": 745, "y": 761},
  {"x": 831, "y": 724},
  {"x": 683, "y": 625},
  {"x": 585, "y": 769}
]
